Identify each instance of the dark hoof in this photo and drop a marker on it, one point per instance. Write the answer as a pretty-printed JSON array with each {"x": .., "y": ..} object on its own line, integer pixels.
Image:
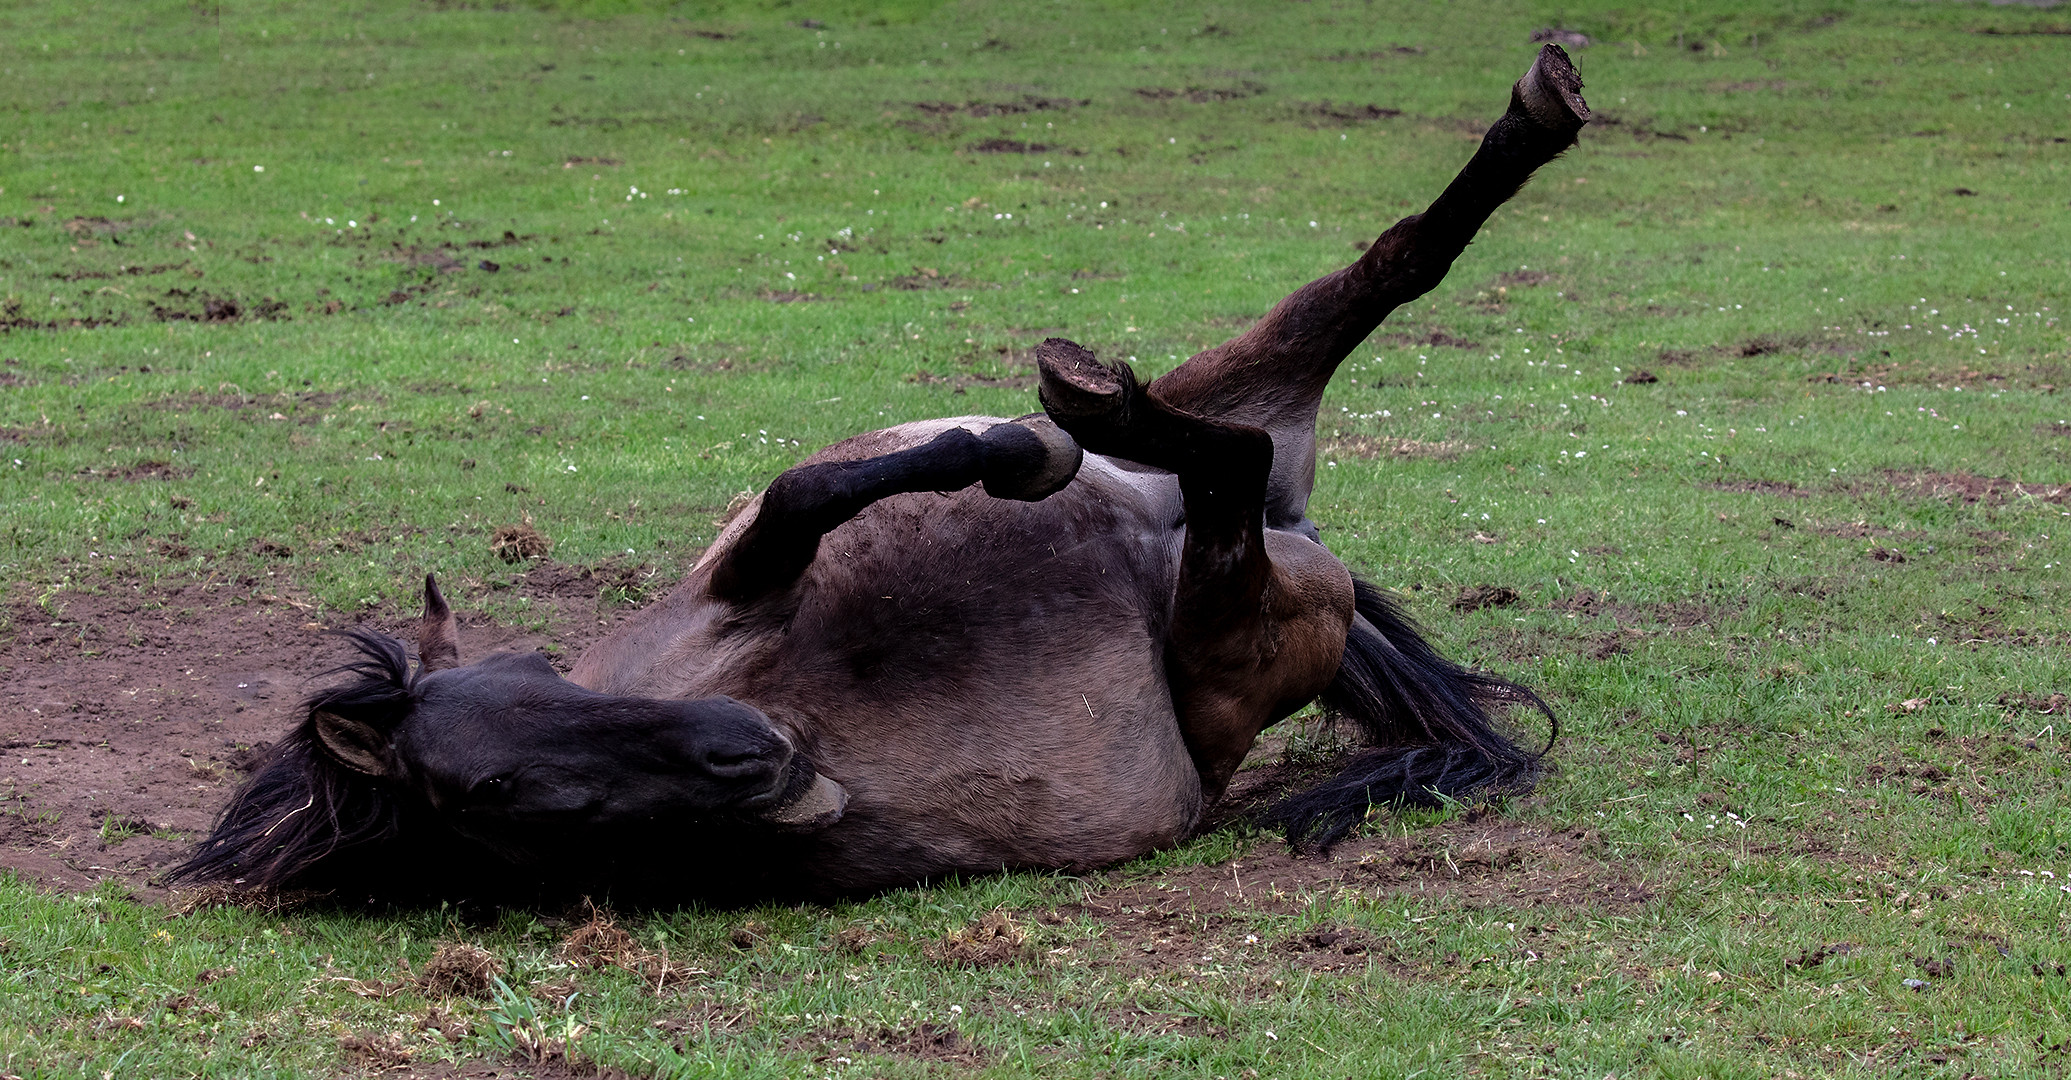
[
  {"x": 1551, "y": 92},
  {"x": 1029, "y": 459},
  {"x": 1074, "y": 385}
]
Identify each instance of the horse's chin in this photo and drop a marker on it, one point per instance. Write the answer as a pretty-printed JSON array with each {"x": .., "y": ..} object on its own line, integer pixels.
[{"x": 821, "y": 804}]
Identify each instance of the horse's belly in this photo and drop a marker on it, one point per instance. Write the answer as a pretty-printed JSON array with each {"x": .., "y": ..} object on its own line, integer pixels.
[{"x": 985, "y": 677}]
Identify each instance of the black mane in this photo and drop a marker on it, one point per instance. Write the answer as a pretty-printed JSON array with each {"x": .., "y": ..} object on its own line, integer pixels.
[{"x": 302, "y": 806}]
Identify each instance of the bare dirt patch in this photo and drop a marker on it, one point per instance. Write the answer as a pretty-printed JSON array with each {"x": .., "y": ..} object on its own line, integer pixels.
[
  {"x": 1784, "y": 488},
  {"x": 1198, "y": 917},
  {"x": 1970, "y": 487},
  {"x": 1016, "y": 146},
  {"x": 1027, "y": 104},
  {"x": 127, "y": 715},
  {"x": 395, "y": 1063},
  {"x": 925, "y": 1042},
  {"x": 1671, "y": 615},
  {"x": 1203, "y": 95},
  {"x": 1477, "y": 597},
  {"x": 1350, "y": 113}
]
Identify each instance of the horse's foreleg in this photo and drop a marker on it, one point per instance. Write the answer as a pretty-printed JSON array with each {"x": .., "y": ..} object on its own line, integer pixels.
[
  {"x": 1026, "y": 460},
  {"x": 1273, "y": 375},
  {"x": 1259, "y": 616}
]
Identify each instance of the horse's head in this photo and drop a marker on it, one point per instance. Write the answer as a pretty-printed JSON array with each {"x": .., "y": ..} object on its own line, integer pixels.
[{"x": 503, "y": 751}]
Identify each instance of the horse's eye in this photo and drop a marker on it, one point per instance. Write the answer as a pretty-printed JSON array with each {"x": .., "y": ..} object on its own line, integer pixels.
[{"x": 495, "y": 787}]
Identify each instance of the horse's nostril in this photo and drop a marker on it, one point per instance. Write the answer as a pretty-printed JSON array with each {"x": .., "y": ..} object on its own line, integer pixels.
[{"x": 738, "y": 761}]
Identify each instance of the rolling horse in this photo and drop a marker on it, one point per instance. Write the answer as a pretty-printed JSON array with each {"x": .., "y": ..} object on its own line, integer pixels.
[{"x": 951, "y": 646}]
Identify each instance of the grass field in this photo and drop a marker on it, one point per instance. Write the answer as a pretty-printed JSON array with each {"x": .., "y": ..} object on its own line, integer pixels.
[{"x": 1740, "y": 434}]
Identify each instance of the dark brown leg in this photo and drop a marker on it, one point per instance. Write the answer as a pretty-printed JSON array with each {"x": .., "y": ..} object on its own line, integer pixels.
[
  {"x": 1026, "y": 460},
  {"x": 1272, "y": 376},
  {"x": 1258, "y": 618}
]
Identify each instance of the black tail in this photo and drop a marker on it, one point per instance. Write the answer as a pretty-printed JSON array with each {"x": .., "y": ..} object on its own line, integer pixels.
[{"x": 1428, "y": 720}]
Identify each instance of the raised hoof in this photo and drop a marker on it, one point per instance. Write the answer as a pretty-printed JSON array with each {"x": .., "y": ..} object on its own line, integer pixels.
[
  {"x": 1073, "y": 384},
  {"x": 1551, "y": 92},
  {"x": 1029, "y": 459}
]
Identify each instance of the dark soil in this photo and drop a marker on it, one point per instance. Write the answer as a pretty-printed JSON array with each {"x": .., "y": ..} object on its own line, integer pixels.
[
  {"x": 1350, "y": 112},
  {"x": 374, "y": 1062},
  {"x": 128, "y": 715},
  {"x": 1198, "y": 916},
  {"x": 1971, "y": 488},
  {"x": 1016, "y": 146}
]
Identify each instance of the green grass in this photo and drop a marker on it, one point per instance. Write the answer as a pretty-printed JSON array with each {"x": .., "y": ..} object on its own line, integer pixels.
[{"x": 1770, "y": 227}]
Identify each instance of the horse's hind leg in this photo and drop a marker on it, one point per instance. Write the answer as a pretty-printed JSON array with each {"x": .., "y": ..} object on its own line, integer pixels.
[
  {"x": 1259, "y": 616},
  {"x": 1027, "y": 460},
  {"x": 1273, "y": 375}
]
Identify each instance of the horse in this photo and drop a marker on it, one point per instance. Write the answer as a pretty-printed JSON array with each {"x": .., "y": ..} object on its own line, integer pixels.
[{"x": 954, "y": 646}]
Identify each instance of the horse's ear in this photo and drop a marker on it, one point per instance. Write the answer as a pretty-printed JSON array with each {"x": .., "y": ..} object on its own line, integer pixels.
[
  {"x": 353, "y": 742},
  {"x": 438, "y": 633}
]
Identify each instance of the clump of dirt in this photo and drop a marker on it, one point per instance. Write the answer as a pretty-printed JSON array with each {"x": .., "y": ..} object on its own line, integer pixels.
[
  {"x": 1437, "y": 339},
  {"x": 1370, "y": 446},
  {"x": 1016, "y": 146},
  {"x": 2051, "y": 705},
  {"x": 1202, "y": 95},
  {"x": 517, "y": 543},
  {"x": 926, "y": 1042},
  {"x": 458, "y": 969},
  {"x": 1674, "y": 615},
  {"x": 1350, "y": 112},
  {"x": 748, "y": 935},
  {"x": 1807, "y": 959},
  {"x": 853, "y": 940},
  {"x": 1477, "y": 597},
  {"x": 601, "y": 943},
  {"x": 1028, "y": 103},
  {"x": 989, "y": 941},
  {"x": 1785, "y": 488},
  {"x": 376, "y": 1050},
  {"x": 207, "y": 308},
  {"x": 1640, "y": 377},
  {"x": 927, "y": 277},
  {"x": 141, "y": 471}
]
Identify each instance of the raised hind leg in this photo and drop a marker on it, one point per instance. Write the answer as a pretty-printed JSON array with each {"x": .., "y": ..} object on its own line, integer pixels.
[
  {"x": 1259, "y": 616},
  {"x": 1272, "y": 376},
  {"x": 1026, "y": 460}
]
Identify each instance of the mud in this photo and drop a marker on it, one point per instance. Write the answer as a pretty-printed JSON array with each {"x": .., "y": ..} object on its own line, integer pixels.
[{"x": 127, "y": 715}]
